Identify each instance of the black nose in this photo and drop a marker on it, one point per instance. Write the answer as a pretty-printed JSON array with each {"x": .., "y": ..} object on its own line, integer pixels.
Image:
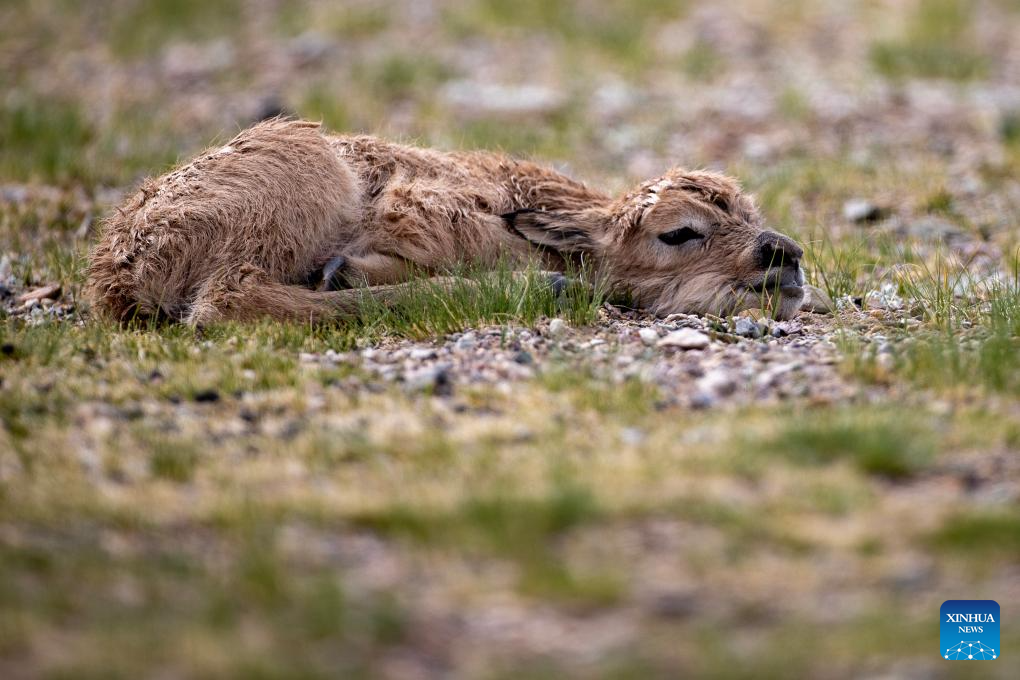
[{"x": 776, "y": 250}]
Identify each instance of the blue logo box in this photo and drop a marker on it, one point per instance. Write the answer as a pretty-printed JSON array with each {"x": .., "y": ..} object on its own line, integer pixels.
[{"x": 969, "y": 630}]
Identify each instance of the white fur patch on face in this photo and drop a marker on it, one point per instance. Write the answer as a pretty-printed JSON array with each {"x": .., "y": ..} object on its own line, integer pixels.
[
  {"x": 225, "y": 150},
  {"x": 652, "y": 195}
]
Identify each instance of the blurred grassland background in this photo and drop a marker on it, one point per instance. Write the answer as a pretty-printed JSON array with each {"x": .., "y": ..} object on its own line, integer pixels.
[{"x": 210, "y": 506}]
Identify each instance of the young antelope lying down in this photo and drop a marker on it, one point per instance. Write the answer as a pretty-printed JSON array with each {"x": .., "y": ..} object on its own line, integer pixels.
[{"x": 237, "y": 232}]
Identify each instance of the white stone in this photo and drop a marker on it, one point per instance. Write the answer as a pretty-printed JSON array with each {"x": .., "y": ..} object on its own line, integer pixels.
[
  {"x": 685, "y": 338},
  {"x": 717, "y": 382},
  {"x": 422, "y": 353},
  {"x": 649, "y": 336},
  {"x": 861, "y": 210},
  {"x": 466, "y": 342},
  {"x": 816, "y": 300}
]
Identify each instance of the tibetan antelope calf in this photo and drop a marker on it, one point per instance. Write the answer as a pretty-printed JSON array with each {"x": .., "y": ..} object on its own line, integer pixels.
[{"x": 241, "y": 231}]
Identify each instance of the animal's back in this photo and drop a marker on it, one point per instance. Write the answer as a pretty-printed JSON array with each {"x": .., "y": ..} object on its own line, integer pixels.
[{"x": 270, "y": 198}]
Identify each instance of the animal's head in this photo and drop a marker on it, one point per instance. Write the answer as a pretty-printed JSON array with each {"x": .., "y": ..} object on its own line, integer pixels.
[{"x": 685, "y": 242}]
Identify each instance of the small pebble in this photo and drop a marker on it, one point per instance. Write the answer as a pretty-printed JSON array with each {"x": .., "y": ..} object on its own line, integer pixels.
[
  {"x": 861, "y": 210},
  {"x": 649, "y": 336},
  {"x": 817, "y": 301},
  {"x": 466, "y": 342},
  {"x": 434, "y": 378},
  {"x": 784, "y": 328},
  {"x": 207, "y": 396},
  {"x": 557, "y": 327},
  {"x": 747, "y": 328},
  {"x": 423, "y": 353},
  {"x": 717, "y": 382},
  {"x": 685, "y": 338}
]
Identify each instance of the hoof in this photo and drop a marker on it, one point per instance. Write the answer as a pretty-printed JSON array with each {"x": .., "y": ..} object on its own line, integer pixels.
[
  {"x": 558, "y": 283},
  {"x": 332, "y": 275}
]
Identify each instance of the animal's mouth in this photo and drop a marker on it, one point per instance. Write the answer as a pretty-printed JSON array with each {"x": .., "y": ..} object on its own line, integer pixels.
[
  {"x": 788, "y": 282},
  {"x": 765, "y": 288},
  {"x": 781, "y": 291}
]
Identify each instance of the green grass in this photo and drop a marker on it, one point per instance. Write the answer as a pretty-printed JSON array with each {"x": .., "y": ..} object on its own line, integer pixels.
[
  {"x": 629, "y": 399},
  {"x": 843, "y": 269},
  {"x": 889, "y": 445},
  {"x": 497, "y": 296},
  {"x": 980, "y": 535},
  {"x": 55, "y": 141},
  {"x": 43, "y": 140},
  {"x": 969, "y": 343},
  {"x": 523, "y": 530},
  {"x": 143, "y": 27},
  {"x": 172, "y": 460},
  {"x": 937, "y": 44},
  {"x": 399, "y": 76},
  {"x": 618, "y": 30}
]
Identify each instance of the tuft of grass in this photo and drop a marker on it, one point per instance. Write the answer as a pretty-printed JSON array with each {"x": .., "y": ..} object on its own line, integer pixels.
[
  {"x": 980, "y": 535},
  {"x": 629, "y": 399},
  {"x": 952, "y": 363},
  {"x": 481, "y": 296},
  {"x": 934, "y": 289},
  {"x": 143, "y": 27},
  {"x": 746, "y": 530},
  {"x": 702, "y": 62},
  {"x": 937, "y": 44},
  {"x": 888, "y": 445},
  {"x": 320, "y": 103},
  {"x": 840, "y": 270},
  {"x": 973, "y": 343},
  {"x": 401, "y": 76},
  {"x": 172, "y": 460},
  {"x": 1009, "y": 129},
  {"x": 521, "y": 529},
  {"x": 43, "y": 139},
  {"x": 616, "y": 29}
]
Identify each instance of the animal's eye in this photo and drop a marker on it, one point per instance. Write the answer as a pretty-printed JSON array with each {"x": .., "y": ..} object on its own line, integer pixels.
[{"x": 680, "y": 236}]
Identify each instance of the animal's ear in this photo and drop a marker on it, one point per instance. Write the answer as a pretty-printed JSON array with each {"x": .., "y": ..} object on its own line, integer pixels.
[{"x": 563, "y": 231}]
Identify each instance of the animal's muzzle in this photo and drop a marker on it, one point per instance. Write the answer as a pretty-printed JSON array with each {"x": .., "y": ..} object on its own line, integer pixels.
[
  {"x": 778, "y": 258},
  {"x": 776, "y": 251}
]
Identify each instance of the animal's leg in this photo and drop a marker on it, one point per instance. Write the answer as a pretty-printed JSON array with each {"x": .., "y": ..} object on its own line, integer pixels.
[
  {"x": 248, "y": 293},
  {"x": 373, "y": 269}
]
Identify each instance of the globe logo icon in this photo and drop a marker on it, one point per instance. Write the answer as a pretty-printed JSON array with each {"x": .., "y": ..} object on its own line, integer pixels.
[{"x": 966, "y": 651}]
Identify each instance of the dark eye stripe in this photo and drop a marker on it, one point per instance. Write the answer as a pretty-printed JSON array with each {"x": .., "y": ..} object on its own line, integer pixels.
[{"x": 680, "y": 236}]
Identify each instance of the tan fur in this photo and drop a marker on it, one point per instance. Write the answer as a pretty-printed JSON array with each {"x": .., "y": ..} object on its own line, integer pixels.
[{"x": 235, "y": 233}]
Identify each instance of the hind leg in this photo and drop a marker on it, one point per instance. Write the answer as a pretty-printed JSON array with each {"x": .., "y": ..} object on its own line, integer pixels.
[{"x": 248, "y": 293}]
